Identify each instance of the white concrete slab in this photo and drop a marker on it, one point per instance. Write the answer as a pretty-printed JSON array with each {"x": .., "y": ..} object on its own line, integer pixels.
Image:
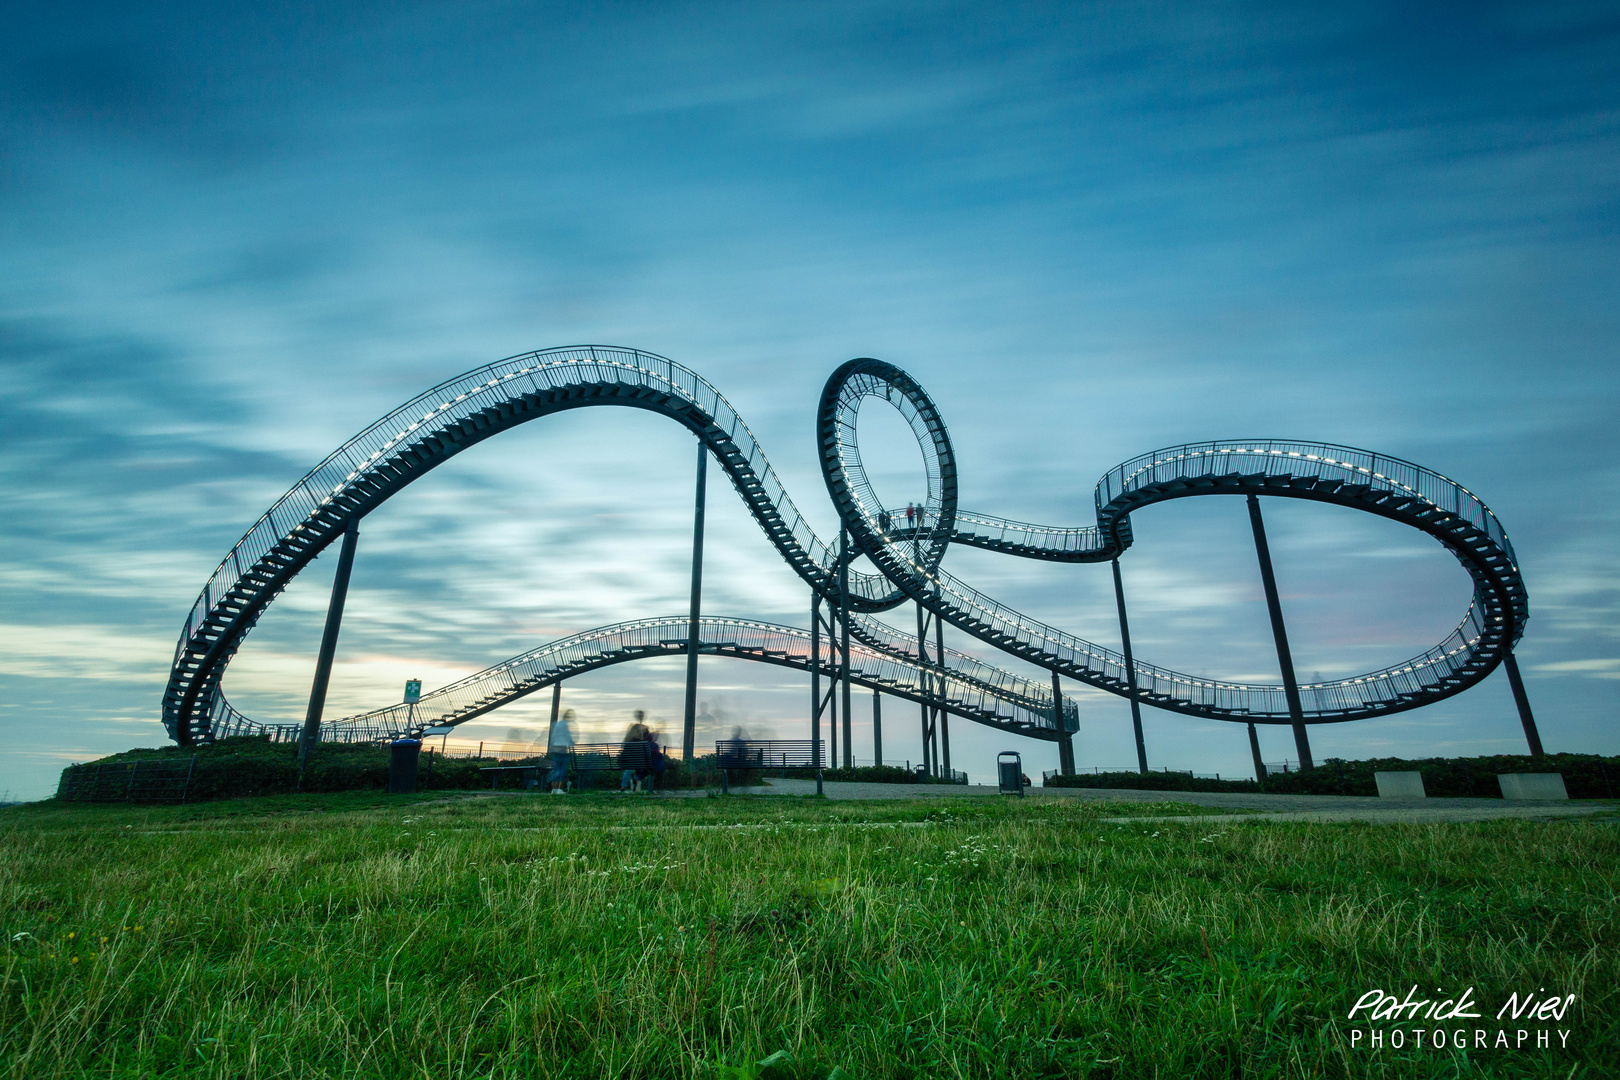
[
  {"x": 1533, "y": 785},
  {"x": 1400, "y": 785}
]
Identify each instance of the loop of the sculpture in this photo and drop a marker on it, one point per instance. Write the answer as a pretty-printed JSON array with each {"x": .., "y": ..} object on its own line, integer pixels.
[
  {"x": 1494, "y": 619},
  {"x": 872, "y": 525}
]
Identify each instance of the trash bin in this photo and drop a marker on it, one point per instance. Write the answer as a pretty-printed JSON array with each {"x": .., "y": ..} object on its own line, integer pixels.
[
  {"x": 402, "y": 756},
  {"x": 1010, "y": 773}
]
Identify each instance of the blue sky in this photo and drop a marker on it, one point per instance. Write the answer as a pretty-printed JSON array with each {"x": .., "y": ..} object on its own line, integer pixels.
[{"x": 229, "y": 239}]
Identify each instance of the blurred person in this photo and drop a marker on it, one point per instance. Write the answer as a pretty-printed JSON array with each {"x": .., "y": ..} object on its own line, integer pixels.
[
  {"x": 652, "y": 776},
  {"x": 630, "y": 751},
  {"x": 558, "y": 747}
]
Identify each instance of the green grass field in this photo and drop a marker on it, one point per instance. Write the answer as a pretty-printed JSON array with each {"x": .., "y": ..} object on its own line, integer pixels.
[{"x": 363, "y": 936}]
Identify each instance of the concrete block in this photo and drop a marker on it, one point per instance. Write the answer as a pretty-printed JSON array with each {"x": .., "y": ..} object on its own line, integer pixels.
[
  {"x": 1532, "y": 785},
  {"x": 1400, "y": 785}
]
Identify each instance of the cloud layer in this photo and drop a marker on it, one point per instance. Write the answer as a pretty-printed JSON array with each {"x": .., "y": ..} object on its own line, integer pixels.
[{"x": 233, "y": 238}]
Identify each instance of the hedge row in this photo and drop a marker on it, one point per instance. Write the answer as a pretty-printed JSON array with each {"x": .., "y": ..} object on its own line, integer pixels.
[
  {"x": 251, "y": 765},
  {"x": 1150, "y": 781},
  {"x": 877, "y": 774},
  {"x": 1586, "y": 776}
]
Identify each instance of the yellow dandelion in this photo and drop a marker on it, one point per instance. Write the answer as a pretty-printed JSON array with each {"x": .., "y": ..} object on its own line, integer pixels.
[
  {"x": 104, "y": 940},
  {"x": 75, "y": 960}
]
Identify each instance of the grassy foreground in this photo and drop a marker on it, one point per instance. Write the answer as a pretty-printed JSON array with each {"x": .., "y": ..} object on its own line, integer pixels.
[{"x": 361, "y": 936}]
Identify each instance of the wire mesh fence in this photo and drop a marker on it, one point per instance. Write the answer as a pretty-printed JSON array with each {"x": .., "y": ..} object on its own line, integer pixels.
[{"x": 128, "y": 781}]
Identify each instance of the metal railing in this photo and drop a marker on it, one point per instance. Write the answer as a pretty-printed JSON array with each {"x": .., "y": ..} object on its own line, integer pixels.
[
  {"x": 963, "y": 694},
  {"x": 1429, "y": 495}
]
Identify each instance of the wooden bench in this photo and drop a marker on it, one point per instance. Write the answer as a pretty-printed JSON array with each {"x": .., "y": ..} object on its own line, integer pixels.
[
  {"x": 783, "y": 754},
  {"x": 534, "y": 780},
  {"x": 610, "y": 757}
]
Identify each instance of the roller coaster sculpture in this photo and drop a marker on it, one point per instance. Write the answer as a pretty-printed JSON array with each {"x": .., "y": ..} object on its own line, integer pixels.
[{"x": 435, "y": 426}]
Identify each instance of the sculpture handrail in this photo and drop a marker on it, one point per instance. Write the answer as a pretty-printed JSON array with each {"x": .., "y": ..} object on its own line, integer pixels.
[
  {"x": 1020, "y": 705},
  {"x": 305, "y": 499}
]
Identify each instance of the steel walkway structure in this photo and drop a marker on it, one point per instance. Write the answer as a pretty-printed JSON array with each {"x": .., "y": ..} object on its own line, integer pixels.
[
  {"x": 433, "y": 427},
  {"x": 972, "y": 689}
]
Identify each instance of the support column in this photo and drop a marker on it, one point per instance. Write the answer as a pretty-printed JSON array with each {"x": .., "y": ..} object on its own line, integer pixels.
[
  {"x": 556, "y": 708},
  {"x": 1285, "y": 659},
  {"x": 877, "y": 727},
  {"x": 1531, "y": 735},
  {"x": 1065, "y": 743},
  {"x": 831, "y": 700},
  {"x": 323, "y": 661},
  {"x": 815, "y": 684},
  {"x": 1254, "y": 748},
  {"x": 1130, "y": 671},
  {"x": 843, "y": 655},
  {"x": 689, "y": 731},
  {"x": 922, "y": 674},
  {"x": 942, "y": 719},
  {"x": 826, "y": 629},
  {"x": 815, "y": 678}
]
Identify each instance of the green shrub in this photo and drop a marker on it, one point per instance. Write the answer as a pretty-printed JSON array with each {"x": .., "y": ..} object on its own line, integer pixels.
[
  {"x": 1586, "y": 776},
  {"x": 878, "y": 774},
  {"x": 1149, "y": 781},
  {"x": 250, "y": 765}
]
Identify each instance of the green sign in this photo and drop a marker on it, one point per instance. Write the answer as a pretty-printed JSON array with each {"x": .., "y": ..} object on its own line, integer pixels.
[{"x": 413, "y": 691}]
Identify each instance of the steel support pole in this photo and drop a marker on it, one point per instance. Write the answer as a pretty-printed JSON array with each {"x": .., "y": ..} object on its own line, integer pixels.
[
  {"x": 877, "y": 727},
  {"x": 1285, "y": 658},
  {"x": 843, "y": 647},
  {"x": 323, "y": 662},
  {"x": 922, "y": 673},
  {"x": 1254, "y": 748},
  {"x": 1065, "y": 744},
  {"x": 1531, "y": 735},
  {"x": 832, "y": 685},
  {"x": 1130, "y": 671},
  {"x": 689, "y": 731},
  {"x": 942, "y": 718},
  {"x": 556, "y": 708},
  {"x": 815, "y": 684},
  {"x": 815, "y": 678}
]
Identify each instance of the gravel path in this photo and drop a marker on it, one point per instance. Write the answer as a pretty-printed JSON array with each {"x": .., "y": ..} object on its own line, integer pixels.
[{"x": 1277, "y": 807}]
